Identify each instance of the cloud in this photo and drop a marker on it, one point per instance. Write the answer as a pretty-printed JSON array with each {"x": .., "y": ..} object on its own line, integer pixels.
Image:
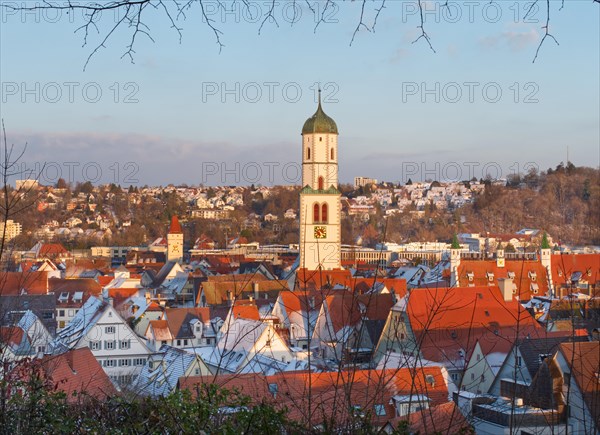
[
  {"x": 156, "y": 159},
  {"x": 515, "y": 40}
]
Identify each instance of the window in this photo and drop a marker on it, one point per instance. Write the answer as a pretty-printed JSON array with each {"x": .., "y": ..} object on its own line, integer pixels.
[
  {"x": 268, "y": 343},
  {"x": 124, "y": 344},
  {"x": 379, "y": 409},
  {"x": 518, "y": 361},
  {"x": 95, "y": 345},
  {"x": 178, "y": 342},
  {"x": 61, "y": 313},
  {"x": 332, "y": 154},
  {"x": 47, "y": 315},
  {"x": 124, "y": 362},
  {"x": 41, "y": 349},
  {"x": 316, "y": 214},
  {"x": 472, "y": 376},
  {"x": 138, "y": 361},
  {"x": 185, "y": 342},
  {"x": 324, "y": 213},
  {"x": 109, "y": 345},
  {"x": 109, "y": 363},
  {"x": 321, "y": 183},
  {"x": 308, "y": 153},
  {"x": 320, "y": 139},
  {"x": 454, "y": 377},
  {"x": 109, "y": 329},
  {"x": 197, "y": 372},
  {"x": 61, "y": 324}
]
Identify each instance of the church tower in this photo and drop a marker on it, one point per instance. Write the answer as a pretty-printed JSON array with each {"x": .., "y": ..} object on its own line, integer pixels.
[
  {"x": 320, "y": 206},
  {"x": 175, "y": 241}
]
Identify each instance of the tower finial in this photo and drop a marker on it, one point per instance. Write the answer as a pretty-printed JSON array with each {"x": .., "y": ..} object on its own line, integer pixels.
[{"x": 319, "y": 96}]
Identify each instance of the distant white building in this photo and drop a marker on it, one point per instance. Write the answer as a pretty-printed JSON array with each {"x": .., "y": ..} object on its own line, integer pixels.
[
  {"x": 26, "y": 184},
  {"x": 363, "y": 181},
  {"x": 12, "y": 228}
]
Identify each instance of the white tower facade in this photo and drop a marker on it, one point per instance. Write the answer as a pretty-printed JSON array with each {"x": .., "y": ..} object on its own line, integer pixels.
[{"x": 320, "y": 205}]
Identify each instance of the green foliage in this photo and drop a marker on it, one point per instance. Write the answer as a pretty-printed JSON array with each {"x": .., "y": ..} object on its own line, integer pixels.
[
  {"x": 545, "y": 242},
  {"x": 38, "y": 408},
  {"x": 455, "y": 243}
]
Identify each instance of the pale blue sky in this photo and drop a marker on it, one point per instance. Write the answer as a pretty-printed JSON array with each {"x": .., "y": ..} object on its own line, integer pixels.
[{"x": 184, "y": 122}]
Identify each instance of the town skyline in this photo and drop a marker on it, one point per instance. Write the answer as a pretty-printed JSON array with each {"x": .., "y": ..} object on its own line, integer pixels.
[{"x": 415, "y": 106}]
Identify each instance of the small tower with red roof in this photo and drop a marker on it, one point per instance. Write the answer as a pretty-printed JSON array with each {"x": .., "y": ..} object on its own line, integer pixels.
[{"x": 175, "y": 241}]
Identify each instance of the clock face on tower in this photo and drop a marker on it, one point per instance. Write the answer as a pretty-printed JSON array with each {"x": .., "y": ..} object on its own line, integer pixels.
[{"x": 320, "y": 232}]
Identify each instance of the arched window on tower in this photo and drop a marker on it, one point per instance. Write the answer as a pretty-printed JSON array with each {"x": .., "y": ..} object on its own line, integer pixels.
[
  {"x": 324, "y": 213},
  {"x": 316, "y": 210},
  {"x": 308, "y": 153},
  {"x": 332, "y": 154},
  {"x": 321, "y": 183}
]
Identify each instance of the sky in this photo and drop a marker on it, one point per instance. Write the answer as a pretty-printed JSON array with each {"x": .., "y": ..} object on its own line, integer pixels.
[{"x": 187, "y": 111}]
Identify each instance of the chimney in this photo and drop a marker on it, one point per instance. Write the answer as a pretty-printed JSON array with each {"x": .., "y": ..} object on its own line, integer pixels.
[
  {"x": 506, "y": 288},
  {"x": 255, "y": 290}
]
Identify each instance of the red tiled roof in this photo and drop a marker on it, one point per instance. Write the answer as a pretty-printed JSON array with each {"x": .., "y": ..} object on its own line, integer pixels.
[
  {"x": 249, "y": 312},
  {"x": 88, "y": 285},
  {"x": 175, "y": 318},
  {"x": 448, "y": 321},
  {"x": 346, "y": 309},
  {"x": 526, "y": 273},
  {"x": 48, "y": 249},
  {"x": 105, "y": 279},
  {"x": 16, "y": 283},
  {"x": 120, "y": 294},
  {"x": 301, "y": 300},
  {"x": 333, "y": 394},
  {"x": 445, "y": 418},
  {"x": 11, "y": 335},
  {"x": 175, "y": 227},
  {"x": 75, "y": 371},
  {"x": 563, "y": 267},
  {"x": 161, "y": 330}
]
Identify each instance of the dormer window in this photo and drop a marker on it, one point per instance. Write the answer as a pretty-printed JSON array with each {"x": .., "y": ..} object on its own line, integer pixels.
[
  {"x": 532, "y": 275},
  {"x": 470, "y": 276},
  {"x": 534, "y": 288},
  {"x": 511, "y": 275},
  {"x": 490, "y": 276}
]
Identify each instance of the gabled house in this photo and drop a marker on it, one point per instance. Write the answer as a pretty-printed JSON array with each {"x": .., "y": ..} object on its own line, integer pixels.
[
  {"x": 524, "y": 360},
  {"x": 580, "y": 367},
  {"x": 39, "y": 336},
  {"x": 444, "y": 325},
  {"x": 182, "y": 328},
  {"x": 249, "y": 346},
  {"x": 14, "y": 345},
  {"x": 349, "y": 326},
  {"x": 162, "y": 371},
  {"x": 117, "y": 348},
  {"x": 297, "y": 312}
]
